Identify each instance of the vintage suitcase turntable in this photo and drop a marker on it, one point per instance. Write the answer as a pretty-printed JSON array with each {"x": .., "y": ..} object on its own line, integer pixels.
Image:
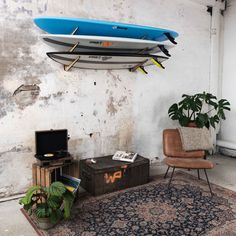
[{"x": 51, "y": 144}]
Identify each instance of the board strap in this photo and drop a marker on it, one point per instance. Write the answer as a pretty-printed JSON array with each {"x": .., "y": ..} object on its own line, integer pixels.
[
  {"x": 157, "y": 63},
  {"x": 170, "y": 38}
]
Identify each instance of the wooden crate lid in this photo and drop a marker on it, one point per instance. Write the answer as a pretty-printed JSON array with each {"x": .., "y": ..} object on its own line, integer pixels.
[{"x": 106, "y": 163}]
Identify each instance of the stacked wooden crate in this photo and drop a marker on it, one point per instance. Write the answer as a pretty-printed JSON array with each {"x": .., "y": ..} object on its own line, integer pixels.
[{"x": 45, "y": 175}]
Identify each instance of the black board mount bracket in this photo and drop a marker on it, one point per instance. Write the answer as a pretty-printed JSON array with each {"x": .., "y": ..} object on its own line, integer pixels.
[{"x": 170, "y": 38}]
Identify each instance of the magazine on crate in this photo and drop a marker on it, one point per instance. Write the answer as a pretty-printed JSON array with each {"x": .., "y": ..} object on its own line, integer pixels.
[
  {"x": 71, "y": 183},
  {"x": 124, "y": 156}
]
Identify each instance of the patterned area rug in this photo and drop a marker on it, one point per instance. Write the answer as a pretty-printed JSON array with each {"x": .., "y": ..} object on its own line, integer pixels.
[{"x": 187, "y": 209}]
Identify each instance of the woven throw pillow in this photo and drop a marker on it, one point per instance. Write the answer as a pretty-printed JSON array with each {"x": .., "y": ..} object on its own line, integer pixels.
[{"x": 195, "y": 139}]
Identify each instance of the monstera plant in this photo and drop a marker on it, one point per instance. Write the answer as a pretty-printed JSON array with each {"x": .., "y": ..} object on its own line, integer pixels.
[
  {"x": 202, "y": 109},
  {"x": 51, "y": 203}
]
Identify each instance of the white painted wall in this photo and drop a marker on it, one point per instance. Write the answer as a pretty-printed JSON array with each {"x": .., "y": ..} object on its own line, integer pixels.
[
  {"x": 123, "y": 111},
  {"x": 228, "y": 127}
]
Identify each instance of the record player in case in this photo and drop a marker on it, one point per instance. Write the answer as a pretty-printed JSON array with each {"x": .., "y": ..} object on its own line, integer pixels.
[{"x": 51, "y": 144}]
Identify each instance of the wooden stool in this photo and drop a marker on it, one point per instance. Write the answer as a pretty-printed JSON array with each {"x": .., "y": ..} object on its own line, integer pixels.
[{"x": 188, "y": 163}]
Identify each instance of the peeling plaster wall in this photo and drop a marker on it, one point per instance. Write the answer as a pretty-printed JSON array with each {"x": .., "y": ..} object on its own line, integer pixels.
[
  {"x": 187, "y": 71},
  {"x": 102, "y": 110}
]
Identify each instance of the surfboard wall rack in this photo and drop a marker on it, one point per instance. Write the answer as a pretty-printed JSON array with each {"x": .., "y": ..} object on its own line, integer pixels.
[
  {"x": 67, "y": 68},
  {"x": 108, "y": 45},
  {"x": 75, "y": 31},
  {"x": 73, "y": 48}
]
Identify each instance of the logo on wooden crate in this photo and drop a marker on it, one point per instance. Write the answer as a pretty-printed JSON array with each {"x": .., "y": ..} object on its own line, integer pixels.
[{"x": 111, "y": 178}]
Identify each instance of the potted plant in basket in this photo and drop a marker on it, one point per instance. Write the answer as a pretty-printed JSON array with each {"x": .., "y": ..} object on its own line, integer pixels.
[
  {"x": 201, "y": 109},
  {"x": 48, "y": 204}
]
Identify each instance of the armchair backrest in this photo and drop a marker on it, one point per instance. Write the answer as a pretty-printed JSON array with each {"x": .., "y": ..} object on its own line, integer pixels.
[{"x": 172, "y": 146}]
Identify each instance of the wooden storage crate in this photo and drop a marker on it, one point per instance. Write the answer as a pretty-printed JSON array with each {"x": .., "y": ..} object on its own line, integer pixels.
[
  {"x": 58, "y": 162},
  {"x": 107, "y": 175},
  {"x": 44, "y": 176}
]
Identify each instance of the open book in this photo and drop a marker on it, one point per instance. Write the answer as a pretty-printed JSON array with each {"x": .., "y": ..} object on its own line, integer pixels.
[{"x": 124, "y": 156}]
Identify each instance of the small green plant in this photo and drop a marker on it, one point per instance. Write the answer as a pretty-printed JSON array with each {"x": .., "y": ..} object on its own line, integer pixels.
[
  {"x": 202, "y": 108},
  {"x": 53, "y": 202}
]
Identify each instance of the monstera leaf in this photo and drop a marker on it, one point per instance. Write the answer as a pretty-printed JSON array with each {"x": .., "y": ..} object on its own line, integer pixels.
[
  {"x": 54, "y": 202},
  {"x": 50, "y": 201},
  {"x": 57, "y": 189},
  {"x": 27, "y": 199},
  {"x": 191, "y": 109},
  {"x": 42, "y": 210},
  {"x": 68, "y": 199},
  {"x": 55, "y": 216}
]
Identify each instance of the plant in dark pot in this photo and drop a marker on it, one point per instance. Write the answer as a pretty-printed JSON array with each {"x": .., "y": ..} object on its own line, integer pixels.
[
  {"x": 48, "y": 204},
  {"x": 201, "y": 109}
]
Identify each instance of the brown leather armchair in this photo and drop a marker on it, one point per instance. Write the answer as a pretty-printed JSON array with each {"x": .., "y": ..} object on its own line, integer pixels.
[
  {"x": 172, "y": 146},
  {"x": 176, "y": 157}
]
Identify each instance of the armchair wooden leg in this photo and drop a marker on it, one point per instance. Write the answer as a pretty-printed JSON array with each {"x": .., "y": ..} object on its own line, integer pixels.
[
  {"x": 171, "y": 178},
  {"x": 198, "y": 173},
  {"x": 208, "y": 182},
  {"x": 166, "y": 172}
]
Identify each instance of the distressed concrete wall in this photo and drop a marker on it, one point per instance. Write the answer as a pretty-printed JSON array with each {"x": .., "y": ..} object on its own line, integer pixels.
[
  {"x": 228, "y": 126},
  {"x": 121, "y": 110},
  {"x": 186, "y": 72}
]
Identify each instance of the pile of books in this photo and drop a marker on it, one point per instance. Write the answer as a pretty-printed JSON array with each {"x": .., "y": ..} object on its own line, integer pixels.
[{"x": 124, "y": 156}]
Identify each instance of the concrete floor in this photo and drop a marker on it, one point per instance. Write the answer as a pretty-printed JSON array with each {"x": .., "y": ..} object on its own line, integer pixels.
[
  {"x": 223, "y": 173},
  {"x": 13, "y": 223}
]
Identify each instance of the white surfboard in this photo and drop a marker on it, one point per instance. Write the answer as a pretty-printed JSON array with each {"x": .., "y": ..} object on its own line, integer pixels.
[
  {"x": 88, "y": 43},
  {"x": 104, "y": 60}
]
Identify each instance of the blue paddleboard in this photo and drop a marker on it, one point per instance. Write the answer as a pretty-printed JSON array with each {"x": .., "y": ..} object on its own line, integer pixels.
[{"x": 61, "y": 25}]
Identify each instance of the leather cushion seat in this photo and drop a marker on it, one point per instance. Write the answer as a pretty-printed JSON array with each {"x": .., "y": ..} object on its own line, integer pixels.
[{"x": 188, "y": 163}]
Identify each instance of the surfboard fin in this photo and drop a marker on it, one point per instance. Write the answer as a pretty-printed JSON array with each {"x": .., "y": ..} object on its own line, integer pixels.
[
  {"x": 138, "y": 65},
  {"x": 164, "y": 50},
  {"x": 141, "y": 68},
  {"x": 170, "y": 38},
  {"x": 157, "y": 63},
  {"x": 68, "y": 67}
]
